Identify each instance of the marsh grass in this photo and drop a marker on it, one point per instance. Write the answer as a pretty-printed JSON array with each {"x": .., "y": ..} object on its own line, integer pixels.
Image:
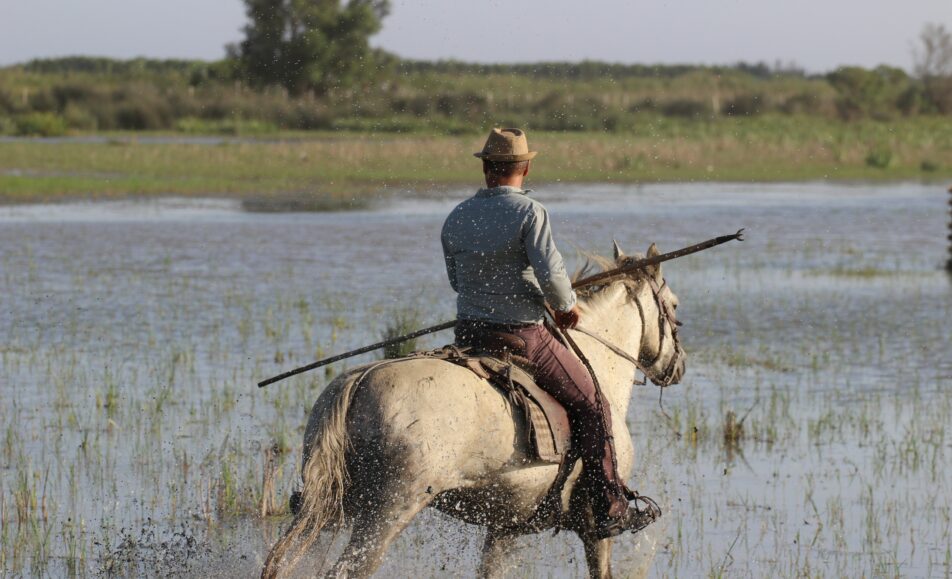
[
  {"x": 331, "y": 171},
  {"x": 400, "y": 323},
  {"x": 813, "y": 422}
]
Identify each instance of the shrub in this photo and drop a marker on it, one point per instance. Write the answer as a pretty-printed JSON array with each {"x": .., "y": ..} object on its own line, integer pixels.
[
  {"x": 41, "y": 101},
  {"x": 465, "y": 103},
  {"x": 7, "y": 102},
  {"x": 68, "y": 93},
  {"x": 912, "y": 101},
  {"x": 646, "y": 104},
  {"x": 744, "y": 105},
  {"x": 138, "y": 117},
  {"x": 880, "y": 158},
  {"x": 928, "y": 166},
  {"x": 104, "y": 113},
  {"x": 873, "y": 93},
  {"x": 142, "y": 110},
  {"x": 193, "y": 125},
  {"x": 308, "y": 115},
  {"x": 685, "y": 108},
  {"x": 41, "y": 125},
  {"x": 7, "y": 126},
  {"x": 77, "y": 117},
  {"x": 617, "y": 122},
  {"x": 416, "y": 105},
  {"x": 141, "y": 107},
  {"x": 939, "y": 92}
]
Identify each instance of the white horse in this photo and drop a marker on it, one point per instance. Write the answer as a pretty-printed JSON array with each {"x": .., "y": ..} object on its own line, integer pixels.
[{"x": 386, "y": 440}]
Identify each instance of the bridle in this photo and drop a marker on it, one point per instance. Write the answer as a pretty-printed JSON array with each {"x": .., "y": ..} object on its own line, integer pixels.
[{"x": 666, "y": 316}]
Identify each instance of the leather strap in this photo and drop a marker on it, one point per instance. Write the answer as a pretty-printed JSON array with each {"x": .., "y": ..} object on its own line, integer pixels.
[
  {"x": 665, "y": 316},
  {"x": 621, "y": 353}
]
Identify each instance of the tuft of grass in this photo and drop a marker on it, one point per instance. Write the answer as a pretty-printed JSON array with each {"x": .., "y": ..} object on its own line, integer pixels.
[
  {"x": 733, "y": 430},
  {"x": 881, "y": 158},
  {"x": 402, "y": 323}
]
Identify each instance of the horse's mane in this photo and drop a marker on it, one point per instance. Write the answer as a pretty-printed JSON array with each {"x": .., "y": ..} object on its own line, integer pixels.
[{"x": 594, "y": 264}]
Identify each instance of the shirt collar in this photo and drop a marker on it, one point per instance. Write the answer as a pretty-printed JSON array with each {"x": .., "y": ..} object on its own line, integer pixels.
[{"x": 501, "y": 190}]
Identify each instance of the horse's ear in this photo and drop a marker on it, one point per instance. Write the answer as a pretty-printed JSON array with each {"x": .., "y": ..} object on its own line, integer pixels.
[
  {"x": 617, "y": 250},
  {"x": 655, "y": 270}
]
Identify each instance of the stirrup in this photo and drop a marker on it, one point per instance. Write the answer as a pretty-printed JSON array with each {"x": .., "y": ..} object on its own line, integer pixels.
[
  {"x": 635, "y": 518},
  {"x": 650, "y": 505}
]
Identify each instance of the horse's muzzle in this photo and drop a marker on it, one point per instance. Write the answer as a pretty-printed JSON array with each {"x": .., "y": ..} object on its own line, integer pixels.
[{"x": 679, "y": 369}]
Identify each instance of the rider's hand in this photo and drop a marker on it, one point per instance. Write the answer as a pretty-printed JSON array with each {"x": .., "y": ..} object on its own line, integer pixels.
[{"x": 569, "y": 319}]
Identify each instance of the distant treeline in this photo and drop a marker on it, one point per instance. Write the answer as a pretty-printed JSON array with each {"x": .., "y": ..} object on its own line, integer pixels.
[
  {"x": 591, "y": 70},
  {"x": 55, "y": 96}
]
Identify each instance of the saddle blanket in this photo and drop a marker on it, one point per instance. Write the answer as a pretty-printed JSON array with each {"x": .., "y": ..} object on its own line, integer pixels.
[{"x": 545, "y": 421}]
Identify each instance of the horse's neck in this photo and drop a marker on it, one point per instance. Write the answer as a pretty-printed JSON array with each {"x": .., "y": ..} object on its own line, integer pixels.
[{"x": 614, "y": 318}]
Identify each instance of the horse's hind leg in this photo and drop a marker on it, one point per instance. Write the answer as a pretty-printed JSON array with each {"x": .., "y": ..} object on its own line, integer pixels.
[
  {"x": 598, "y": 554},
  {"x": 374, "y": 528},
  {"x": 497, "y": 550}
]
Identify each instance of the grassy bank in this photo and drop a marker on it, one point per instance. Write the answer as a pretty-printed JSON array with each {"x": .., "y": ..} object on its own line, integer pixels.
[{"x": 326, "y": 170}]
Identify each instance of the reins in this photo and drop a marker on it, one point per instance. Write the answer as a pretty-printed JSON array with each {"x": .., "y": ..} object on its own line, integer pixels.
[
  {"x": 665, "y": 315},
  {"x": 553, "y": 495},
  {"x": 618, "y": 351}
]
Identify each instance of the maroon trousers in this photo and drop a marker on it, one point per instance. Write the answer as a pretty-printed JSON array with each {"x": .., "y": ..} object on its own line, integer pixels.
[{"x": 560, "y": 373}]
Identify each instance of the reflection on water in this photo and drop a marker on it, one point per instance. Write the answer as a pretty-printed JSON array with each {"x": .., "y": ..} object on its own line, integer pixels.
[{"x": 132, "y": 334}]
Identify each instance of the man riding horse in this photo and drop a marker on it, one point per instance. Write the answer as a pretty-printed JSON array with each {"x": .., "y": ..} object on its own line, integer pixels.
[{"x": 505, "y": 267}]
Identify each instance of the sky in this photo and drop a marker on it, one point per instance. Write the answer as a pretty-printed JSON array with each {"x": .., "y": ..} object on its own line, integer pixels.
[{"x": 817, "y": 35}]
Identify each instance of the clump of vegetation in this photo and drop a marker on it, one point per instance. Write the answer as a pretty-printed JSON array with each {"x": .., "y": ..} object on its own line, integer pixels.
[
  {"x": 40, "y": 124},
  {"x": 880, "y": 158},
  {"x": 402, "y": 323},
  {"x": 733, "y": 430}
]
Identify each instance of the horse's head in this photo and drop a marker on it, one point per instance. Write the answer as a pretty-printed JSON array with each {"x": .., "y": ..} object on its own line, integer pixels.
[{"x": 661, "y": 355}]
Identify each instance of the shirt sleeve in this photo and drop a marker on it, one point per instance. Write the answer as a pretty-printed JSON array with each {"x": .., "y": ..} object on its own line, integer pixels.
[
  {"x": 450, "y": 262},
  {"x": 546, "y": 260}
]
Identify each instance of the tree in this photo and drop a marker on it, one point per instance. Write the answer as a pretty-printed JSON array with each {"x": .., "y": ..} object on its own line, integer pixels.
[
  {"x": 865, "y": 92},
  {"x": 934, "y": 56},
  {"x": 309, "y": 45},
  {"x": 933, "y": 65}
]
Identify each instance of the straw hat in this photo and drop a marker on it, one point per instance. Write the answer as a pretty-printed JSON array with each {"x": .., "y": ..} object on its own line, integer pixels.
[{"x": 506, "y": 145}]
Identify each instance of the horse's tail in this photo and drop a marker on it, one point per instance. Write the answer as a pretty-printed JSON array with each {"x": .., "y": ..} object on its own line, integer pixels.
[{"x": 325, "y": 477}]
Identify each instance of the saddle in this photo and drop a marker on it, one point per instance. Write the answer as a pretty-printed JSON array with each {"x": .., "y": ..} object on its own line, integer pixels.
[{"x": 546, "y": 424}]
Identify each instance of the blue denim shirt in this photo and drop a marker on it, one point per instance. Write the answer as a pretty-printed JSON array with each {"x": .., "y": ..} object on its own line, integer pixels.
[{"x": 501, "y": 259}]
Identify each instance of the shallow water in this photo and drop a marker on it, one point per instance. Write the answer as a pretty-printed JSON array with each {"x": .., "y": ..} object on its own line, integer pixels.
[{"x": 132, "y": 334}]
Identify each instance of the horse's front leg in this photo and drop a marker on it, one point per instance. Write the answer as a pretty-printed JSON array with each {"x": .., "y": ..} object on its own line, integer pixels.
[
  {"x": 374, "y": 529},
  {"x": 496, "y": 554},
  {"x": 598, "y": 555}
]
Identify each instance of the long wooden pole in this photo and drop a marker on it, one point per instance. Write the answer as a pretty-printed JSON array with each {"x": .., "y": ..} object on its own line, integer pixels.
[
  {"x": 358, "y": 351},
  {"x": 631, "y": 267},
  {"x": 649, "y": 261}
]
